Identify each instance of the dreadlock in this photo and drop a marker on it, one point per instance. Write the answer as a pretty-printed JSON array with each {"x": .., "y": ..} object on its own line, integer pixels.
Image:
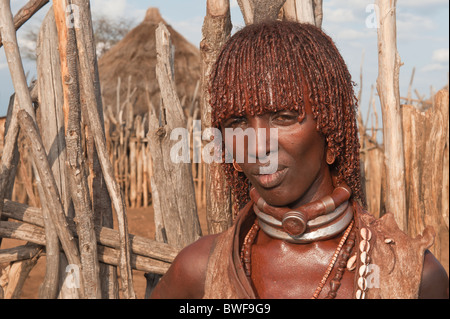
[{"x": 264, "y": 68}]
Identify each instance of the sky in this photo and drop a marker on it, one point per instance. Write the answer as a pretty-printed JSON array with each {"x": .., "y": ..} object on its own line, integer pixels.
[{"x": 422, "y": 37}]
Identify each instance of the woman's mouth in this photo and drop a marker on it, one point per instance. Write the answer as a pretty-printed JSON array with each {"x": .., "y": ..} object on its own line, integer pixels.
[{"x": 271, "y": 180}]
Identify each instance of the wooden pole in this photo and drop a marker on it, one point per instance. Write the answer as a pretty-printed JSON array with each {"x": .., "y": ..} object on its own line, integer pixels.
[
  {"x": 91, "y": 90},
  {"x": 8, "y": 32},
  {"x": 425, "y": 163},
  {"x": 388, "y": 90},
  {"x": 25, "y": 13},
  {"x": 50, "y": 190},
  {"x": 300, "y": 11},
  {"x": 10, "y": 154},
  {"x": 216, "y": 31},
  {"x": 254, "y": 11},
  {"x": 173, "y": 180},
  {"x": 105, "y": 236},
  {"x": 51, "y": 120},
  {"x": 35, "y": 234}
]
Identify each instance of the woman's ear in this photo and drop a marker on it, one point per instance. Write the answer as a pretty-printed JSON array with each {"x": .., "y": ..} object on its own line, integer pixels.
[{"x": 330, "y": 157}]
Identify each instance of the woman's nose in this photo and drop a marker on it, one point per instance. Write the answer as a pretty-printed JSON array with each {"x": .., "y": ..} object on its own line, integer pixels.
[{"x": 264, "y": 144}]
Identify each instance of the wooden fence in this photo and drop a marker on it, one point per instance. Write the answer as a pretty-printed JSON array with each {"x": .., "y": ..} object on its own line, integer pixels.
[
  {"x": 130, "y": 155},
  {"x": 426, "y": 141}
]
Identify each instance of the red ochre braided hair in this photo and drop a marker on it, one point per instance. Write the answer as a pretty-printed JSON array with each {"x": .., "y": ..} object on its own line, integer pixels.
[{"x": 263, "y": 67}]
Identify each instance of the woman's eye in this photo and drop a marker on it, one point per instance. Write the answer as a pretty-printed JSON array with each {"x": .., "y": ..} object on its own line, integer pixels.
[
  {"x": 236, "y": 122},
  {"x": 284, "y": 118}
]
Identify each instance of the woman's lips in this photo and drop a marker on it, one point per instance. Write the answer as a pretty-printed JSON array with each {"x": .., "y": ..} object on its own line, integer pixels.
[{"x": 271, "y": 180}]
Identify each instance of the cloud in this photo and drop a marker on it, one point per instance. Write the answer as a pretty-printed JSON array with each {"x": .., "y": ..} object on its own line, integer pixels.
[
  {"x": 189, "y": 28},
  {"x": 421, "y": 3},
  {"x": 441, "y": 56},
  {"x": 339, "y": 15},
  {"x": 110, "y": 8},
  {"x": 433, "y": 67},
  {"x": 352, "y": 34},
  {"x": 440, "y": 59},
  {"x": 408, "y": 22}
]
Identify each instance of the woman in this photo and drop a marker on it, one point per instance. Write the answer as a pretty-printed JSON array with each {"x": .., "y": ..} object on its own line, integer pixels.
[{"x": 301, "y": 231}]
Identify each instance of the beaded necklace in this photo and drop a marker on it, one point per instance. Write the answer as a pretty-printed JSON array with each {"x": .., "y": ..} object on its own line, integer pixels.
[{"x": 342, "y": 251}]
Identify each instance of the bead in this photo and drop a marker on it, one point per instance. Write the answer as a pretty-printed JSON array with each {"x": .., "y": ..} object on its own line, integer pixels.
[
  {"x": 388, "y": 241},
  {"x": 332, "y": 295},
  {"x": 345, "y": 254},
  {"x": 334, "y": 284}
]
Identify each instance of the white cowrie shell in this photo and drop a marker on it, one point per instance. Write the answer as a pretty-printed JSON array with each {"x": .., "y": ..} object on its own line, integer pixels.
[
  {"x": 360, "y": 294},
  {"x": 364, "y": 245},
  {"x": 366, "y": 233},
  {"x": 362, "y": 283},
  {"x": 363, "y": 257},
  {"x": 363, "y": 270},
  {"x": 388, "y": 241},
  {"x": 351, "y": 263}
]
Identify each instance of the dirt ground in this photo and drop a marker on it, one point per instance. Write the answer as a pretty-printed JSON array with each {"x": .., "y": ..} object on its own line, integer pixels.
[{"x": 140, "y": 222}]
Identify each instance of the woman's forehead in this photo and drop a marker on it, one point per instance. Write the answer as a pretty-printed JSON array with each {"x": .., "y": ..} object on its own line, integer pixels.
[{"x": 252, "y": 111}]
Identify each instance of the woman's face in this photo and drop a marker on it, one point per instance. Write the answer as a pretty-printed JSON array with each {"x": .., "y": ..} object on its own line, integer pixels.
[{"x": 301, "y": 173}]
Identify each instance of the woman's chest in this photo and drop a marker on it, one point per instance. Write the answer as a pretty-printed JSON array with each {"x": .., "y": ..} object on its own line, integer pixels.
[{"x": 301, "y": 274}]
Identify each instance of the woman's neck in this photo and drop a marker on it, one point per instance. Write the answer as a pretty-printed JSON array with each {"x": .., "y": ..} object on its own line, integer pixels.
[{"x": 322, "y": 186}]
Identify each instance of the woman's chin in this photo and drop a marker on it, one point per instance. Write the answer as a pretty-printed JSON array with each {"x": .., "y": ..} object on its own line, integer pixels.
[{"x": 278, "y": 196}]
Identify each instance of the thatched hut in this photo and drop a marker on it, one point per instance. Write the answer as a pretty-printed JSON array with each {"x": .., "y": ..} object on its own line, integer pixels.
[{"x": 133, "y": 61}]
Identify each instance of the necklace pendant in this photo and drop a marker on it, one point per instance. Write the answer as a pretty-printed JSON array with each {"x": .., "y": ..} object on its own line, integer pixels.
[{"x": 294, "y": 223}]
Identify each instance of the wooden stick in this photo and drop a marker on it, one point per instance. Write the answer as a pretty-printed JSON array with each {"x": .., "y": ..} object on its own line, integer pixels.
[
  {"x": 89, "y": 83},
  {"x": 254, "y": 11},
  {"x": 216, "y": 31},
  {"x": 25, "y": 13},
  {"x": 81, "y": 199},
  {"x": 50, "y": 189},
  {"x": 12, "y": 53},
  {"x": 52, "y": 132},
  {"x": 409, "y": 98},
  {"x": 301, "y": 11},
  {"x": 105, "y": 236},
  {"x": 18, "y": 273},
  {"x": 318, "y": 12},
  {"x": 388, "y": 90},
  {"x": 108, "y": 255},
  {"x": 77, "y": 179},
  {"x": 173, "y": 180},
  {"x": 19, "y": 253},
  {"x": 10, "y": 154}
]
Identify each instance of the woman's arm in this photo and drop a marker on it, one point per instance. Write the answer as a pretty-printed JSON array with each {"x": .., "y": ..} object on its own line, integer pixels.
[
  {"x": 434, "y": 284},
  {"x": 185, "y": 278}
]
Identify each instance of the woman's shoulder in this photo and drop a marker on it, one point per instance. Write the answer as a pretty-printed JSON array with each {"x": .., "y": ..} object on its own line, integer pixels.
[
  {"x": 434, "y": 283},
  {"x": 186, "y": 276}
]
